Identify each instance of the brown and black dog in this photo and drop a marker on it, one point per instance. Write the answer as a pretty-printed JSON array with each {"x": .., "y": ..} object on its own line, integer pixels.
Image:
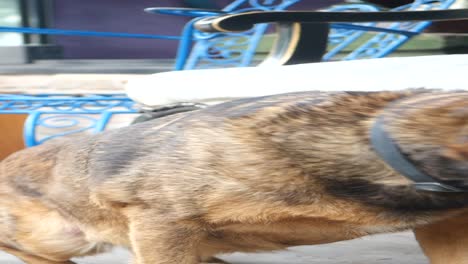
[{"x": 249, "y": 175}]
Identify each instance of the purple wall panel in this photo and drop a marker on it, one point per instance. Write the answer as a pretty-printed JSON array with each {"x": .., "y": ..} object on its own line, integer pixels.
[{"x": 125, "y": 16}]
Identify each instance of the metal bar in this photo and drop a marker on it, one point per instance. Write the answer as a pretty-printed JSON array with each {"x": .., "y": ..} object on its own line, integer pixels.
[
  {"x": 376, "y": 29},
  {"x": 23, "y": 4},
  {"x": 51, "y": 31},
  {"x": 103, "y": 121},
  {"x": 29, "y": 133},
  {"x": 185, "y": 45}
]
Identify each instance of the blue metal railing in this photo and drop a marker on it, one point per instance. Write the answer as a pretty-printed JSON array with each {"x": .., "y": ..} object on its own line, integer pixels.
[
  {"x": 64, "y": 114},
  {"x": 52, "y": 31},
  {"x": 68, "y": 114},
  {"x": 49, "y": 110}
]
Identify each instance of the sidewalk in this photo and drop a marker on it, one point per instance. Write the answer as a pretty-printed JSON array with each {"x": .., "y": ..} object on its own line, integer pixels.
[
  {"x": 46, "y": 67},
  {"x": 76, "y": 76},
  {"x": 65, "y": 83},
  {"x": 382, "y": 249}
]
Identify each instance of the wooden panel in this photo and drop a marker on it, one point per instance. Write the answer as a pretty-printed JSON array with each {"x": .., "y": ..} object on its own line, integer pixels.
[{"x": 11, "y": 135}]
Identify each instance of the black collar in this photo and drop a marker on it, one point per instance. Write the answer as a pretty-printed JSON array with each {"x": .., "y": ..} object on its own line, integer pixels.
[{"x": 389, "y": 151}]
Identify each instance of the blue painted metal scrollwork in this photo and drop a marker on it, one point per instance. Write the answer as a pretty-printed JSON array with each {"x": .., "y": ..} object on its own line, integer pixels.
[
  {"x": 383, "y": 43},
  {"x": 59, "y": 114},
  {"x": 216, "y": 50},
  {"x": 340, "y": 38},
  {"x": 23, "y": 104}
]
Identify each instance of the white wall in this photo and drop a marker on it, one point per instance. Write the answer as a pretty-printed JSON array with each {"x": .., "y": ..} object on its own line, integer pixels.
[{"x": 10, "y": 17}]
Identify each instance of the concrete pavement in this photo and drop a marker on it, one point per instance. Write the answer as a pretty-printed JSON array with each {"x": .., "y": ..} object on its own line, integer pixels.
[
  {"x": 76, "y": 76},
  {"x": 399, "y": 248}
]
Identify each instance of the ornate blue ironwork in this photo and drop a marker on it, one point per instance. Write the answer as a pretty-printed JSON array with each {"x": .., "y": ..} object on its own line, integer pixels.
[
  {"x": 340, "y": 38},
  {"x": 62, "y": 114},
  {"x": 93, "y": 103},
  {"x": 215, "y": 50},
  {"x": 382, "y": 43}
]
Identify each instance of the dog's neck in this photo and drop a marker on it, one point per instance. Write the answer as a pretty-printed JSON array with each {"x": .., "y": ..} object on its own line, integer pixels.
[
  {"x": 390, "y": 152},
  {"x": 422, "y": 137}
]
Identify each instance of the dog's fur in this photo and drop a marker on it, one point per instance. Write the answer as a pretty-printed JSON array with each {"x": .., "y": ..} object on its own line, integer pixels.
[{"x": 249, "y": 175}]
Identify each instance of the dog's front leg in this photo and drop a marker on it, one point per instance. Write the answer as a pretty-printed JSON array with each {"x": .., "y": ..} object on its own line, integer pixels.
[
  {"x": 445, "y": 242},
  {"x": 157, "y": 241}
]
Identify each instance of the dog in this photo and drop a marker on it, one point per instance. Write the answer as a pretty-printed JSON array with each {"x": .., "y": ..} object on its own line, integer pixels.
[{"x": 254, "y": 174}]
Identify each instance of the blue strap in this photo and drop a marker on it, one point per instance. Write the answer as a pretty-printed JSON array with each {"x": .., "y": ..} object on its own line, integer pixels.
[
  {"x": 50, "y": 31},
  {"x": 389, "y": 151}
]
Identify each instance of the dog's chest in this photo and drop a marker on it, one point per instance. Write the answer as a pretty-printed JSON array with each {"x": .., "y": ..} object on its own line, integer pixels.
[{"x": 273, "y": 236}]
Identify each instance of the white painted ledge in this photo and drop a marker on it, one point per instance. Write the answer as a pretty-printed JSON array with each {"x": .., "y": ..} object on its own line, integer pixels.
[{"x": 438, "y": 71}]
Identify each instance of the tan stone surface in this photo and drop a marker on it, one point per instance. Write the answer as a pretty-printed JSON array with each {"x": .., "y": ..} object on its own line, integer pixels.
[{"x": 64, "y": 83}]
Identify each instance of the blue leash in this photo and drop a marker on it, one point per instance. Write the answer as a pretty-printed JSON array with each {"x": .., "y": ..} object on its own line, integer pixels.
[{"x": 49, "y": 31}]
